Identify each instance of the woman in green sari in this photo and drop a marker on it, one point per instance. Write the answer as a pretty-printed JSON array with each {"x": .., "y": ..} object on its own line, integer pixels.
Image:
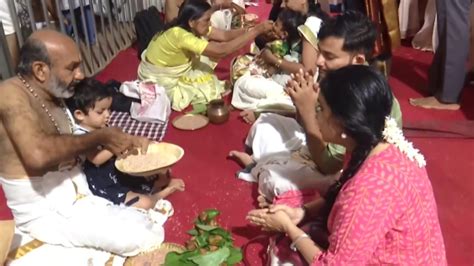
[{"x": 178, "y": 57}]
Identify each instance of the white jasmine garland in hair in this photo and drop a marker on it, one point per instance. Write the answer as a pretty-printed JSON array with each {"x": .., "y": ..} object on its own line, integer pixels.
[{"x": 394, "y": 135}]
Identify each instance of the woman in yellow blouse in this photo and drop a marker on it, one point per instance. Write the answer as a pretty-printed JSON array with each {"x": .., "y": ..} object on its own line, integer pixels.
[{"x": 177, "y": 58}]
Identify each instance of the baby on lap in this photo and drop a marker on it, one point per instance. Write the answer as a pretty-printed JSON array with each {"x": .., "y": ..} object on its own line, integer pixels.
[
  {"x": 90, "y": 107},
  {"x": 286, "y": 47}
]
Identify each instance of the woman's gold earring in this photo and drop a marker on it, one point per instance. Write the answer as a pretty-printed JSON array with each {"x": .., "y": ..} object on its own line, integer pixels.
[{"x": 343, "y": 136}]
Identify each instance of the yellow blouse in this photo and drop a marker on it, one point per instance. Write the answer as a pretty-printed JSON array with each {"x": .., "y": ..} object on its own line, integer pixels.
[{"x": 174, "y": 47}]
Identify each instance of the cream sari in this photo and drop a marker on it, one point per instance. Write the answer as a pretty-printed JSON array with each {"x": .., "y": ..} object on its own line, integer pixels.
[{"x": 191, "y": 83}]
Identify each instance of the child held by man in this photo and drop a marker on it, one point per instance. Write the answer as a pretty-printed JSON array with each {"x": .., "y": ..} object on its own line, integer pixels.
[{"x": 90, "y": 107}]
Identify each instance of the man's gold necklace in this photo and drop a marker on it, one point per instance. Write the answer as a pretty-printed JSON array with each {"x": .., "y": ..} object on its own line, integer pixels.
[{"x": 45, "y": 109}]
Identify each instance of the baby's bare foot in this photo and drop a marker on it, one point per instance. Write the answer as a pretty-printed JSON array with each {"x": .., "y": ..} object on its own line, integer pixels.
[
  {"x": 248, "y": 116},
  {"x": 176, "y": 184},
  {"x": 241, "y": 157},
  {"x": 262, "y": 202}
]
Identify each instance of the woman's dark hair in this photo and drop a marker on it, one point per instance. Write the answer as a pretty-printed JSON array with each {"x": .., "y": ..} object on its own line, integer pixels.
[
  {"x": 314, "y": 9},
  {"x": 360, "y": 98},
  {"x": 87, "y": 93},
  {"x": 189, "y": 10},
  {"x": 357, "y": 30},
  {"x": 291, "y": 20}
]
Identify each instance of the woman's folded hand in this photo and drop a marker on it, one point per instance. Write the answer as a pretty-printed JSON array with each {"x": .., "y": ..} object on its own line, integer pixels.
[{"x": 277, "y": 221}]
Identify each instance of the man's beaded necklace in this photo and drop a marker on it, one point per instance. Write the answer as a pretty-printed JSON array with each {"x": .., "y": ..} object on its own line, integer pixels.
[{"x": 45, "y": 109}]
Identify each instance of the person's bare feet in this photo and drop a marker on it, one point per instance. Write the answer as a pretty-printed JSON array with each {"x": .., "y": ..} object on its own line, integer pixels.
[
  {"x": 433, "y": 103},
  {"x": 226, "y": 92},
  {"x": 262, "y": 202},
  {"x": 227, "y": 89},
  {"x": 174, "y": 185},
  {"x": 241, "y": 157},
  {"x": 248, "y": 116}
]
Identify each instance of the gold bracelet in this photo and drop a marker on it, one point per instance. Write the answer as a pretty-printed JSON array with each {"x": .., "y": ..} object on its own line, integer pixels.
[{"x": 279, "y": 62}]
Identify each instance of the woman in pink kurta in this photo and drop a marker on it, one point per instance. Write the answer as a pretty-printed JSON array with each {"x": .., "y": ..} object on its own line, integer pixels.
[
  {"x": 382, "y": 209},
  {"x": 386, "y": 213}
]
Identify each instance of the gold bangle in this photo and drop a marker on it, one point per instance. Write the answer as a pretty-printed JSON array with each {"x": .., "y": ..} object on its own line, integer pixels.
[{"x": 279, "y": 62}]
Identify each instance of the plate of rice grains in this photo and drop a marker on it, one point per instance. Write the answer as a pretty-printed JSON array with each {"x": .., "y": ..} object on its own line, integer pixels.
[
  {"x": 159, "y": 157},
  {"x": 209, "y": 245}
]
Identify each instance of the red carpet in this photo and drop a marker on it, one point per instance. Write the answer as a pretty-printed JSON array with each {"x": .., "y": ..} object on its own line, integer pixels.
[
  {"x": 210, "y": 180},
  {"x": 450, "y": 161}
]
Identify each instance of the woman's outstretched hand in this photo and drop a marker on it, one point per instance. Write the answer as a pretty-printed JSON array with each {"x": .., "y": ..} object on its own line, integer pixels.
[{"x": 264, "y": 27}]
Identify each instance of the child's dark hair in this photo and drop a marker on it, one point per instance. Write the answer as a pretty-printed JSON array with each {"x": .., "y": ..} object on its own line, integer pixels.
[
  {"x": 291, "y": 20},
  {"x": 360, "y": 98},
  {"x": 87, "y": 93},
  {"x": 357, "y": 30}
]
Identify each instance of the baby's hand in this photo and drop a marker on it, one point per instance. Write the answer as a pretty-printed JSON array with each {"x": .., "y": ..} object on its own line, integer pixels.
[{"x": 271, "y": 70}]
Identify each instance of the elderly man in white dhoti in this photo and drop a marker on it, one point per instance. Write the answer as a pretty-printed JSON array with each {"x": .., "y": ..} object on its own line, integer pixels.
[{"x": 46, "y": 191}]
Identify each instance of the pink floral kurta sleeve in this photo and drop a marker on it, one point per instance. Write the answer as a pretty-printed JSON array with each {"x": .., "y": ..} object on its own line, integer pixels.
[{"x": 385, "y": 214}]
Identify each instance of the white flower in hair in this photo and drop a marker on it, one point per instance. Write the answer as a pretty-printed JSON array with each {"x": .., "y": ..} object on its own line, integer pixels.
[{"x": 394, "y": 135}]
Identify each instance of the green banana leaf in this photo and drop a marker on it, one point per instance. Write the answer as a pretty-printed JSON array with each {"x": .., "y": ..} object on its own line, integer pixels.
[
  {"x": 234, "y": 257},
  {"x": 214, "y": 258}
]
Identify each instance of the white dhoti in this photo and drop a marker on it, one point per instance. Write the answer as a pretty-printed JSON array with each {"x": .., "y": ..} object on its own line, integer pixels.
[
  {"x": 275, "y": 135},
  {"x": 283, "y": 163},
  {"x": 256, "y": 92},
  {"x": 34, "y": 253},
  {"x": 48, "y": 209}
]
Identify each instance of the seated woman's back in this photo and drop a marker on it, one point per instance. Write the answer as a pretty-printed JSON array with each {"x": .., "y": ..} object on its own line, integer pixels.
[{"x": 387, "y": 212}]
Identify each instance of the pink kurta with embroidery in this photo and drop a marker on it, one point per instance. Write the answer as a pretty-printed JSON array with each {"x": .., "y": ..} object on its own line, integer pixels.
[{"x": 386, "y": 214}]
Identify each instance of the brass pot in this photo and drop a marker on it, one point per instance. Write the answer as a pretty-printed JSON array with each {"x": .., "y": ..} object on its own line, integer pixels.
[{"x": 217, "y": 111}]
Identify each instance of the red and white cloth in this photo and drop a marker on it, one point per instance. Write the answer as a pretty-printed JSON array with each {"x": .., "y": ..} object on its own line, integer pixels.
[
  {"x": 154, "y": 104},
  {"x": 154, "y": 131}
]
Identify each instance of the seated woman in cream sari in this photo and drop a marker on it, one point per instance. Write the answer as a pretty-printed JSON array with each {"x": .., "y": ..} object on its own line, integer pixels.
[{"x": 174, "y": 58}]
